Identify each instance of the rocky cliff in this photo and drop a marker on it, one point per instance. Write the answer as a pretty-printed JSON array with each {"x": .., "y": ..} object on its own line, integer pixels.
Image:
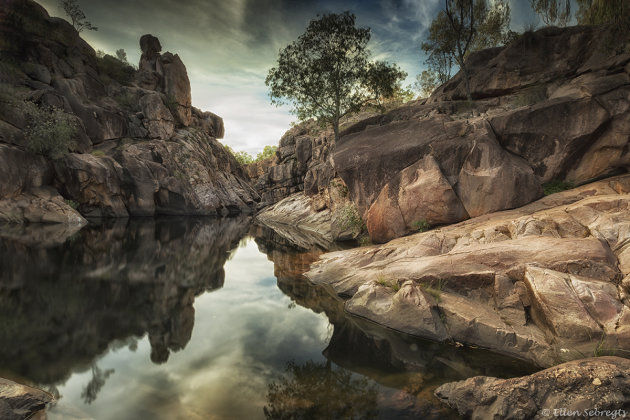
[
  {"x": 138, "y": 147},
  {"x": 552, "y": 106}
]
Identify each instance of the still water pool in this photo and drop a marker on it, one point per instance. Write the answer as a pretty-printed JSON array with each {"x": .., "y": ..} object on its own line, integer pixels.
[{"x": 204, "y": 319}]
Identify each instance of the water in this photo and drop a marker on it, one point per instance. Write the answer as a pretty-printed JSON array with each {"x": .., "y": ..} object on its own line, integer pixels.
[{"x": 204, "y": 319}]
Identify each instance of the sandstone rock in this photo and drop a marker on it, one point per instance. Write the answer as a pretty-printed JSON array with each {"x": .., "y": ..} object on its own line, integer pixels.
[
  {"x": 296, "y": 211},
  {"x": 39, "y": 205},
  {"x": 552, "y": 134},
  {"x": 557, "y": 306},
  {"x": 177, "y": 87},
  {"x": 19, "y": 402},
  {"x": 158, "y": 120},
  {"x": 20, "y": 170},
  {"x": 588, "y": 388},
  {"x": 412, "y": 308},
  {"x": 539, "y": 282},
  {"x": 92, "y": 182},
  {"x": 371, "y": 163},
  {"x": 211, "y": 123},
  {"x": 418, "y": 193}
]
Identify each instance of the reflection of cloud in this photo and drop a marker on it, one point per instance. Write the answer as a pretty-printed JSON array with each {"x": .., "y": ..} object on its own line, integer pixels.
[{"x": 244, "y": 333}]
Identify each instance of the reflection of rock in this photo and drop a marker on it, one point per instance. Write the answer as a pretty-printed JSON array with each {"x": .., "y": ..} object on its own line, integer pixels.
[
  {"x": 18, "y": 402},
  {"x": 413, "y": 366},
  {"x": 597, "y": 384},
  {"x": 306, "y": 390},
  {"x": 40, "y": 235},
  {"x": 109, "y": 282}
]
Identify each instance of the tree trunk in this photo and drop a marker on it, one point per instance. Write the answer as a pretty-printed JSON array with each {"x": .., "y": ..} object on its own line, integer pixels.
[
  {"x": 336, "y": 129},
  {"x": 467, "y": 83}
]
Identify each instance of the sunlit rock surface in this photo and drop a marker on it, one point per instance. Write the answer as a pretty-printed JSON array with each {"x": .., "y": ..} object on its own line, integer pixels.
[{"x": 547, "y": 282}]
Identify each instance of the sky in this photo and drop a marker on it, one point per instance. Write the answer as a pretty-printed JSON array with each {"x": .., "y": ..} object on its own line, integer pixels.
[{"x": 228, "y": 46}]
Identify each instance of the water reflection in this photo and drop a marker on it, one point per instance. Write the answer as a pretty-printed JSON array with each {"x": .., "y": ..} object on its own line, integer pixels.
[
  {"x": 62, "y": 302},
  {"x": 96, "y": 315},
  {"x": 320, "y": 391},
  {"x": 413, "y": 366}
]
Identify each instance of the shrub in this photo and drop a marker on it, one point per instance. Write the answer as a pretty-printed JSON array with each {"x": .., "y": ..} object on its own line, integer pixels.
[
  {"x": 349, "y": 218},
  {"x": 435, "y": 291},
  {"x": 556, "y": 186},
  {"x": 50, "y": 131},
  {"x": 387, "y": 282},
  {"x": 98, "y": 153},
  {"x": 268, "y": 152},
  {"x": 421, "y": 225},
  {"x": 115, "y": 69}
]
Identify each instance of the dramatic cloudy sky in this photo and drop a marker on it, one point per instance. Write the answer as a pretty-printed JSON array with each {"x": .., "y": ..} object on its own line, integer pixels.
[{"x": 228, "y": 46}]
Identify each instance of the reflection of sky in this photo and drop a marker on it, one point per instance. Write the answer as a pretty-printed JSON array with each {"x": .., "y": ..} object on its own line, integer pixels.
[{"x": 243, "y": 336}]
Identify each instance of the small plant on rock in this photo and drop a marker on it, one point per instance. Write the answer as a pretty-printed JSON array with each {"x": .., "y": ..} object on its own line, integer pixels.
[
  {"x": 556, "y": 186},
  {"x": 50, "y": 131},
  {"x": 421, "y": 225}
]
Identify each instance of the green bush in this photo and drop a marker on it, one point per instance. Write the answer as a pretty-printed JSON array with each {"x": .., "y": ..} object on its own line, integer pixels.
[
  {"x": 50, "y": 131},
  {"x": 121, "y": 72},
  {"x": 556, "y": 186},
  {"x": 421, "y": 225},
  {"x": 349, "y": 218},
  {"x": 268, "y": 152}
]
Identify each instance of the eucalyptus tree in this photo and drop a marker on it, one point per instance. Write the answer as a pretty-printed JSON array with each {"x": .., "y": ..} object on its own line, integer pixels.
[{"x": 327, "y": 74}]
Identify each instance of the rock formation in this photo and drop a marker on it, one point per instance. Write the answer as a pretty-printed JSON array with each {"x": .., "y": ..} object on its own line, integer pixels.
[
  {"x": 547, "y": 282},
  {"x": 19, "y": 402},
  {"x": 140, "y": 148},
  {"x": 591, "y": 388},
  {"x": 551, "y": 106}
]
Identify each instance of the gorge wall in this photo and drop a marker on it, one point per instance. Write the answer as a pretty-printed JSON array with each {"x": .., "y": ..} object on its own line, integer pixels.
[
  {"x": 140, "y": 147},
  {"x": 552, "y": 106}
]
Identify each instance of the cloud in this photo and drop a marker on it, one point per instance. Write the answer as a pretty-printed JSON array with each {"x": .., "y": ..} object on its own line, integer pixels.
[{"x": 228, "y": 47}]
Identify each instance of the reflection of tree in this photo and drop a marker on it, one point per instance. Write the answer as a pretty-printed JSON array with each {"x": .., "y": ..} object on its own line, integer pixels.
[
  {"x": 90, "y": 392},
  {"x": 318, "y": 391}
]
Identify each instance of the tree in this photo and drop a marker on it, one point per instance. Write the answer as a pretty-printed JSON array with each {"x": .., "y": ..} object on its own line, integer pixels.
[
  {"x": 465, "y": 26},
  {"x": 268, "y": 152},
  {"x": 552, "y": 11},
  {"x": 76, "y": 15},
  {"x": 426, "y": 83},
  {"x": 326, "y": 73},
  {"x": 317, "y": 390},
  {"x": 614, "y": 13},
  {"x": 122, "y": 55}
]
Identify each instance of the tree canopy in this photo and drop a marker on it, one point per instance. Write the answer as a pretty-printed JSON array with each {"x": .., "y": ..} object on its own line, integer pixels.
[
  {"x": 552, "y": 12},
  {"x": 76, "y": 15},
  {"x": 463, "y": 27},
  {"x": 326, "y": 72}
]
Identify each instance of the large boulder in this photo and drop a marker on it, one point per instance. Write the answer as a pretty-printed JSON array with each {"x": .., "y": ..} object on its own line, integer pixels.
[
  {"x": 431, "y": 170},
  {"x": 546, "y": 282},
  {"x": 592, "y": 388}
]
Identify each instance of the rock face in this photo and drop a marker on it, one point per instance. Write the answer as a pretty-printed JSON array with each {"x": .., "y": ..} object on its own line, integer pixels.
[
  {"x": 140, "y": 147},
  {"x": 551, "y": 106},
  {"x": 592, "y": 388},
  {"x": 167, "y": 74},
  {"x": 547, "y": 282},
  {"x": 302, "y": 163},
  {"x": 18, "y": 402}
]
